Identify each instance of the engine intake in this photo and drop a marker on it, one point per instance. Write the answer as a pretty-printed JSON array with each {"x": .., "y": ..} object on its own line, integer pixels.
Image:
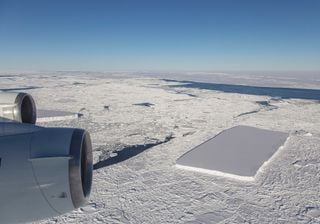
[{"x": 18, "y": 107}]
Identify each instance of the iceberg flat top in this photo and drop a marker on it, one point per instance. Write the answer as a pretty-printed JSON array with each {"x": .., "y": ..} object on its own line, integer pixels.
[{"x": 240, "y": 151}]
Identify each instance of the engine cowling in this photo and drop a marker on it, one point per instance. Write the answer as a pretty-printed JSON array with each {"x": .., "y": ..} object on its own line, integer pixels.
[
  {"x": 18, "y": 107},
  {"x": 44, "y": 172}
]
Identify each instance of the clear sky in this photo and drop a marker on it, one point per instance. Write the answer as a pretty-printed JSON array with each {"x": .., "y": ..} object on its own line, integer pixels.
[{"x": 159, "y": 35}]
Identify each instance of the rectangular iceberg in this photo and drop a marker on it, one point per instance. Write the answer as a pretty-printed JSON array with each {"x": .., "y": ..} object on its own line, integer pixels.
[{"x": 236, "y": 152}]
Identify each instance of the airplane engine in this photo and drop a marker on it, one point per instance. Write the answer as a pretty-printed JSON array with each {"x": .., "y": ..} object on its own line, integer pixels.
[
  {"x": 44, "y": 172},
  {"x": 18, "y": 107}
]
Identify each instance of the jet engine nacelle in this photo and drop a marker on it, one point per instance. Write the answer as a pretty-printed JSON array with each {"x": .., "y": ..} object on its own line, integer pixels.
[
  {"x": 44, "y": 172},
  {"x": 18, "y": 107}
]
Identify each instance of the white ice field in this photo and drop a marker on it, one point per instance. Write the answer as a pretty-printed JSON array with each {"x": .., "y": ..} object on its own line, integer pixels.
[{"x": 140, "y": 126}]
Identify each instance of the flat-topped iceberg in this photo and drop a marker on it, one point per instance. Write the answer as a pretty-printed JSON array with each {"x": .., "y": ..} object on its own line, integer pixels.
[{"x": 237, "y": 152}]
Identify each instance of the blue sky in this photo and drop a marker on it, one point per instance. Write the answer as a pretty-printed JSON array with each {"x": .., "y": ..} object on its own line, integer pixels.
[{"x": 167, "y": 35}]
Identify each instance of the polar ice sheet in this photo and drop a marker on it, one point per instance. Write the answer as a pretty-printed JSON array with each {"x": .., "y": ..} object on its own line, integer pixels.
[{"x": 236, "y": 152}]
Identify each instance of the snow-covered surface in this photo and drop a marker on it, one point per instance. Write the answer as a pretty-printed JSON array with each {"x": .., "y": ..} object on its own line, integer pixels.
[
  {"x": 238, "y": 152},
  {"x": 145, "y": 186}
]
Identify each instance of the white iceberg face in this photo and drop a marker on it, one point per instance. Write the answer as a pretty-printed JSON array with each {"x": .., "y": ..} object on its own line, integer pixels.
[{"x": 237, "y": 152}]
